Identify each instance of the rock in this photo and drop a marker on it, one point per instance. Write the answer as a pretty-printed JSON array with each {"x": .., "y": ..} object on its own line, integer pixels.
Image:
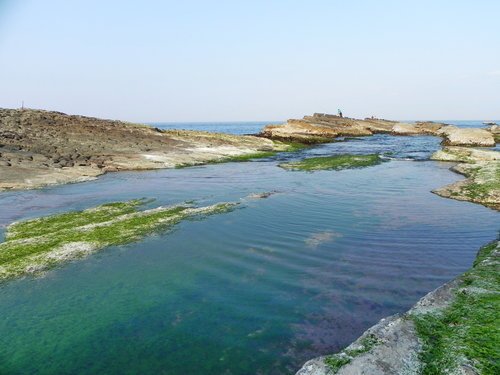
[
  {"x": 40, "y": 158},
  {"x": 77, "y": 142},
  {"x": 300, "y": 131},
  {"x": 453, "y": 136},
  {"x": 395, "y": 344},
  {"x": 429, "y": 127},
  {"x": 495, "y": 130},
  {"x": 465, "y": 154},
  {"x": 405, "y": 129},
  {"x": 481, "y": 167},
  {"x": 394, "y": 353}
]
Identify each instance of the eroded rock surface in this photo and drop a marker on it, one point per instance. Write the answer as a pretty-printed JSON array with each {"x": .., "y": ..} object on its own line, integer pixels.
[
  {"x": 453, "y": 136},
  {"x": 482, "y": 169},
  {"x": 40, "y": 148},
  {"x": 323, "y": 127}
]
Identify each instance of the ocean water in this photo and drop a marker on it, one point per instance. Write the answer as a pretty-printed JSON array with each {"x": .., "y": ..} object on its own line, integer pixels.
[
  {"x": 236, "y": 127},
  {"x": 258, "y": 290}
]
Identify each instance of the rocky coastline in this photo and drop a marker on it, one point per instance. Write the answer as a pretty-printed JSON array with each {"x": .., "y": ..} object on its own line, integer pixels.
[
  {"x": 403, "y": 343},
  {"x": 40, "y": 148},
  {"x": 320, "y": 127}
]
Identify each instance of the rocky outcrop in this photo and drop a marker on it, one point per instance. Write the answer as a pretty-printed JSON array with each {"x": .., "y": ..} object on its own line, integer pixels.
[
  {"x": 453, "y": 136},
  {"x": 300, "y": 131},
  {"x": 324, "y": 127},
  {"x": 39, "y": 148},
  {"x": 465, "y": 155},
  {"x": 482, "y": 169},
  {"x": 419, "y": 128},
  {"x": 495, "y": 130}
]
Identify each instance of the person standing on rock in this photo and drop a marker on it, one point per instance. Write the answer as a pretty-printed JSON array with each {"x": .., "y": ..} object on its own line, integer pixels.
[{"x": 339, "y": 112}]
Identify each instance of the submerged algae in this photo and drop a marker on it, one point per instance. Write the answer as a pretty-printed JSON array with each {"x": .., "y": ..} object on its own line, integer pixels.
[
  {"x": 35, "y": 245},
  {"x": 336, "y": 162}
]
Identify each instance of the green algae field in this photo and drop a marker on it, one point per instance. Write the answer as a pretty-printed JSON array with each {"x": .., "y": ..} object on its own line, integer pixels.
[
  {"x": 35, "y": 245},
  {"x": 336, "y": 162}
]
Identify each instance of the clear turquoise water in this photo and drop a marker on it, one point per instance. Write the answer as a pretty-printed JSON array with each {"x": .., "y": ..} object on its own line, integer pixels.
[{"x": 257, "y": 290}]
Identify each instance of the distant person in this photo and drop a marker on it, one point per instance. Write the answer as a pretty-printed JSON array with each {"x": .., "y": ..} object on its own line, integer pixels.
[{"x": 340, "y": 113}]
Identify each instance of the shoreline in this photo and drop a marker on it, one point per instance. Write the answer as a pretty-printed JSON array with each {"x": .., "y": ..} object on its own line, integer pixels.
[
  {"x": 43, "y": 148},
  {"x": 399, "y": 344}
]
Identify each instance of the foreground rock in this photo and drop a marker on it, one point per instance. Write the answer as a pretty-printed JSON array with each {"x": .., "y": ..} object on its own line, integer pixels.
[
  {"x": 482, "y": 169},
  {"x": 40, "y": 148},
  {"x": 451, "y": 330},
  {"x": 323, "y": 127}
]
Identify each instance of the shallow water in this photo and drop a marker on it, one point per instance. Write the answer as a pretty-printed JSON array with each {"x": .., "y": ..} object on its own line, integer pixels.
[{"x": 257, "y": 290}]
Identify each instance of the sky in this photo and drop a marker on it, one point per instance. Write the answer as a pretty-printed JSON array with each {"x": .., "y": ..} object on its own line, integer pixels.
[{"x": 257, "y": 60}]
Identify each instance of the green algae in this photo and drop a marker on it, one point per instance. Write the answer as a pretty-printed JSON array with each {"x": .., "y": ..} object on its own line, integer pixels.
[
  {"x": 289, "y": 146},
  {"x": 336, "y": 361},
  {"x": 336, "y": 162},
  {"x": 279, "y": 146},
  {"x": 485, "y": 181},
  {"x": 35, "y": 245},
  {"x": 249, "y": 157},
  {"x": 482, "y": 169},
  {"x": 467, "y": 332}
]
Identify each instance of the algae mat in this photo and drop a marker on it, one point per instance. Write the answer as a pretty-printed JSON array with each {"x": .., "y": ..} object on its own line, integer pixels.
[
  {"x": 36, "y": 245},
  {"x": 336, "y": 162}
]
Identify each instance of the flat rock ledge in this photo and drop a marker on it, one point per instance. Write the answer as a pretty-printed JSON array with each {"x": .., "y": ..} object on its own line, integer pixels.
[
  {"x": 482, "y": 171},
  {"x": 453, "y": 136}
]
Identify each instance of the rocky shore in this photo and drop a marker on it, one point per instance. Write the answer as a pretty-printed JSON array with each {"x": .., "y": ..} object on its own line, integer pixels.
[
  {"x": 481, "y": 167},
  {"x": 320, "y": 127},
  {"x": 39, "y": 148},
  {"x": 452, "y": 330}
]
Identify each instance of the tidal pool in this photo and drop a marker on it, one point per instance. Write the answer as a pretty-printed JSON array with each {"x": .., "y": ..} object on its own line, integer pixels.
[{"x": 257, "y": 290}]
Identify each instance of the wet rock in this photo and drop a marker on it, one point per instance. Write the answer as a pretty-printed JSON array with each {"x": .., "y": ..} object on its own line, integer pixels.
[
  {"x": 453, "y": 136},
  {"x": 405, "y": 129}
]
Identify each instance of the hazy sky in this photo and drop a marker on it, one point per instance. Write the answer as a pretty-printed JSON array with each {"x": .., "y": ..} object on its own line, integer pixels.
[{"x": 252, "y": 60}]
